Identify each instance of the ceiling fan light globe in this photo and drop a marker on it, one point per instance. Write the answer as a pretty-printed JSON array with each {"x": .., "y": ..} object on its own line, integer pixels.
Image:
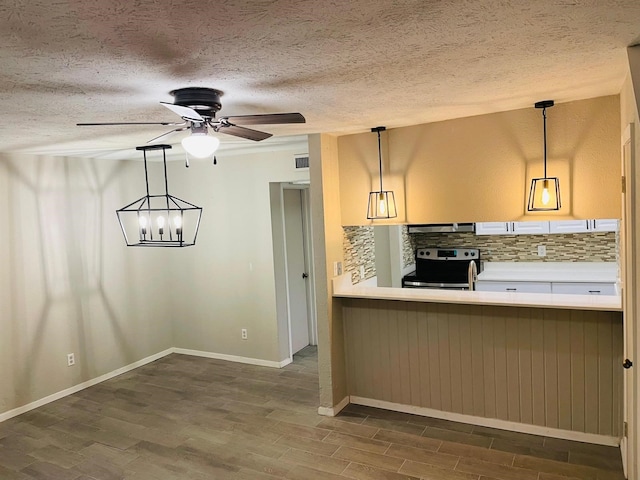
[{"x": 200, "y": 145}]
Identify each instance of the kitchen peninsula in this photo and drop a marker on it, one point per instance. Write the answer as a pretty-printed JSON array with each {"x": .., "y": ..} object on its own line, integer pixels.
[{"x": 547, "y": 364}]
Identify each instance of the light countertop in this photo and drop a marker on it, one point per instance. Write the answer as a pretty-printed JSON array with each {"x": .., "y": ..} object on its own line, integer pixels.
[
  {"x": 342, "y": 288},
  {"x": 574, "y": 272}
]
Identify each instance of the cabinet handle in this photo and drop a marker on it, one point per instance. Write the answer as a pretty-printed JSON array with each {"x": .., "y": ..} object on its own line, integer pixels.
[
  {"x": 627, "y": 363},
  {"x": 511, "y": 289},
  {"x": 507, "y": 226},
  {"x": 594, "y": 291}
]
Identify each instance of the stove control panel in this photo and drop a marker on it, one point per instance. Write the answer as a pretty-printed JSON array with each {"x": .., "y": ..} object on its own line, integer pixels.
[{"x": 447, "y": 253}]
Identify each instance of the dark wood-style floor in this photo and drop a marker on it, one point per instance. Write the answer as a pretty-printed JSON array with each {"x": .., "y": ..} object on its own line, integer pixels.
[{"x": 186, "y": 417}]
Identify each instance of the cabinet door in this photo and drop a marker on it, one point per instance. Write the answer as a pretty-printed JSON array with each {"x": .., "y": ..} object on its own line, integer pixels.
[
  {"x": 531, "y": 228},
  {"x": 569, "y": 226},
  {"x": 520, "y": 287},
  {"x": 584, "y": 288},
  {"x": 493, "y": 228},
  {"x": 605, "y": 225}
]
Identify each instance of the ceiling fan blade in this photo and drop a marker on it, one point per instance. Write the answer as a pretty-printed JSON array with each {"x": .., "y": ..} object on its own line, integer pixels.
[
  {"x": 170, "y": 132},
  {"x": 129, "y": 123},
  {"x": 244, "y": 132},
  {"x": 184, "y": 112},
  {"x": 266, "y": 119}
]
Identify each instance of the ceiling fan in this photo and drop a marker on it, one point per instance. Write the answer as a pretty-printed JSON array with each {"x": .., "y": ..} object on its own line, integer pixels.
[{"x": 197, "y": 106}]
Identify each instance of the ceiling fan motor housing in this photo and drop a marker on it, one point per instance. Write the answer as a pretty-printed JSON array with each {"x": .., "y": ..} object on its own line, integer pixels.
[{"x": 205, "y": 101}]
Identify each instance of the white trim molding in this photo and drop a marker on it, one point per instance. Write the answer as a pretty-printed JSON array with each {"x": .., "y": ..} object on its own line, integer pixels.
[
  {"x": 234, "y": 358},
  {"x": 490, "y": 422},
  {"x": 81, "y": 386},
  {"x": 127, "y": 368},
  {"x": 333, "y": 411}
]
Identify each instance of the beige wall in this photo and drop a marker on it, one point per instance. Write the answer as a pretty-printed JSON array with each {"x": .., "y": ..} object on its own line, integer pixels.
[
  {"x": 227, "y": 282},
  {"x": 479, "y": 168},
  {"x": 327, "y": 242},
  {"x": 67, "y": 282}
]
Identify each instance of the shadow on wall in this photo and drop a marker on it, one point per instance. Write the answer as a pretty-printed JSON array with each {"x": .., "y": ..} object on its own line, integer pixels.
[{"x": 56, "y": 266}]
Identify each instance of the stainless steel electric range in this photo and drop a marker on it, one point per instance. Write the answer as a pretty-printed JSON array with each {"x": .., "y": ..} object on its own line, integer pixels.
[{"x": 449, "y": 268}]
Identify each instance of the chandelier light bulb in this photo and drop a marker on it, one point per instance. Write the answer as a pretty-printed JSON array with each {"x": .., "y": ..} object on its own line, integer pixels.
[
  {"x": 545, "y": 196},
  {"x": 160, "y": 222},
  {"x": 177, "y": 222},
  {"x": 382, "y": 206}
]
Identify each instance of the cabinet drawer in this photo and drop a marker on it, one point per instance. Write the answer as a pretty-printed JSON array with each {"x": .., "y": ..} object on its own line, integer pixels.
[
  {"x": 584, "y": 288},
  {"x": 521, "y": 287}
]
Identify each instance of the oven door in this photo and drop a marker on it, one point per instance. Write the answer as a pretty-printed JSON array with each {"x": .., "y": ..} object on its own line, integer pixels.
[
  {"x": 412, "y": 281},
  {"x": 446, "y": 286},
  {"x": 443, "y": 272}
]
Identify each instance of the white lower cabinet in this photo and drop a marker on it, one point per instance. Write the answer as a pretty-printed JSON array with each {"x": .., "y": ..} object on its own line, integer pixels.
[
  {"x": 521, "y": 287},
  {"x": 584, "y": 288},
  {"x": 576, "y": 288}
]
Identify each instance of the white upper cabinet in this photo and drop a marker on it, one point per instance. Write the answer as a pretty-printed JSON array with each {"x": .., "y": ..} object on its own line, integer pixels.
[
  {"x": 492, "y": 228},
  {"x": 606, "y": 225},
  {"x": 569, "y": 226},
  {"x": 530, "y": 228},
  {"x": 539, "y": 228},
  {"x": 511, "y": 228},
  {"x": 584, "y": 226}
]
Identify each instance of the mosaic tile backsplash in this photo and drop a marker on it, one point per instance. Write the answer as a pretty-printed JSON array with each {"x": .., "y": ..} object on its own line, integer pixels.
[
  {"x": 570, "y": 247},
  {"x": 359, "y": 247}
]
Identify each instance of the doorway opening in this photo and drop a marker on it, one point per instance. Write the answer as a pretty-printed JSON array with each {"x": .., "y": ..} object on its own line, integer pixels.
[{"x": 293, "y": 264}]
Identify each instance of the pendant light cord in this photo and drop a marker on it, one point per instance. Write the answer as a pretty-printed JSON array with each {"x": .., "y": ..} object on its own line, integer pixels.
[
  {"x": 544, "y": 128},
  {"x": 380, "y": 160}
]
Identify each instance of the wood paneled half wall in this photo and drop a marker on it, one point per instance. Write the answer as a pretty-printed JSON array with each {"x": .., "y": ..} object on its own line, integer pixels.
[{"x": 558, "y": 369}]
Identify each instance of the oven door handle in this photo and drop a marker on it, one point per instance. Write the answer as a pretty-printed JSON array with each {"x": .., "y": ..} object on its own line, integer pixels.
[{"x": 472, "y": 275}]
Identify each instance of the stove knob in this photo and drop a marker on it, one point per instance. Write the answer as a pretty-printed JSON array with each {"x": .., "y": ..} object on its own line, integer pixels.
[
  {"x": 473, "y": 254},
  {"x": 428, "y": 253},
  {"x": 466, "y": 254}
]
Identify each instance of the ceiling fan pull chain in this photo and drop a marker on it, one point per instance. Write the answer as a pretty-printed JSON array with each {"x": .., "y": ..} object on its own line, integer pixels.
[
  {"x": 215, "y": 161},
  {"x": 186, "y": 159}
]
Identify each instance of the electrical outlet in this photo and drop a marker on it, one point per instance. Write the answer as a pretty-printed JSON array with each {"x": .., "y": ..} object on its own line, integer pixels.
[
  {"x": 71, "y": 360},
  {"x": 244, "y": 334},
  {"x": 337, "y": 268},
  {"x": 361, "y": 271},
  {"x": 542, "y": 251}
]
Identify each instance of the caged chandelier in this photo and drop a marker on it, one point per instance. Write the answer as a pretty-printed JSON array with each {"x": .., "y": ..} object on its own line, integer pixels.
[
  {"x": 544, "y": 194},
  {"x": 382, "y": 204},
  {"x": 159, "y": 220}
]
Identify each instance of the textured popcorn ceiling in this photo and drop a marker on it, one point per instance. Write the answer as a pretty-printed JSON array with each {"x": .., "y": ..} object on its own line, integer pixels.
[{"x": 345, "y": 65}]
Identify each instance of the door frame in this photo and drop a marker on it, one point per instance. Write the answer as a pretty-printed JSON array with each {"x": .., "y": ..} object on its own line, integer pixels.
[
  {"x": 308, "y": 260},
  {"x": 630, "y": 281}
]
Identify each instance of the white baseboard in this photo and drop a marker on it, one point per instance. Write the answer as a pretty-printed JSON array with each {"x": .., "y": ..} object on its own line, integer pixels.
[
  {"x": 94, "y": 381},
  {"x": 81, "y": 386},
  {"x": 333, "y": 411},
  {"x": 490, "y": 422},
  {"x": 233, "y": 358}
]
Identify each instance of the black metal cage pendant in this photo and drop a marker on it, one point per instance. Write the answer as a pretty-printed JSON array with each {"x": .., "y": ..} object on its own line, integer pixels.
[
  {"x": 159, "y": 220},
  {"x": 544, "y": 194}
]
